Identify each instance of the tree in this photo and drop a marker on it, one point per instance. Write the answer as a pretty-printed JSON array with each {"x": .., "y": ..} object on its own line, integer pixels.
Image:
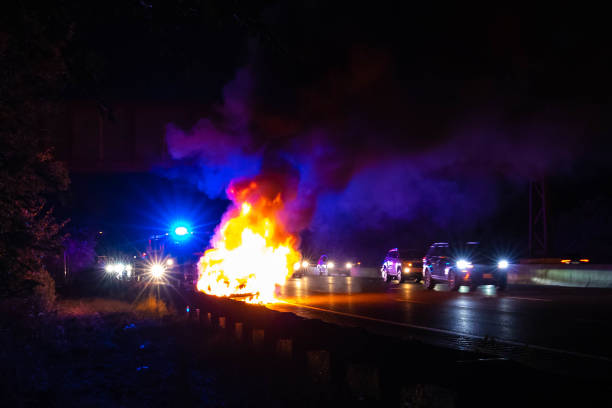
[{"x": 32, "y": 74}]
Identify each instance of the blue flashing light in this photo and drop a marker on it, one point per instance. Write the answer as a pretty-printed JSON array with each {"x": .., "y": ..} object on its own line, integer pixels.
[{"x": 181, "y": 230}]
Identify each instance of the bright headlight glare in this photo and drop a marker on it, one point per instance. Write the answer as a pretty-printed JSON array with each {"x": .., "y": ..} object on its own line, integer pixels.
[
  {"x": 330, "y": 265},
  {"x": 170, "y": 262},
  {"x": 503, "y": 264},
  {"x": 157, "y": 270},
  {"x": 463, "y": 264},
  {"x": 305, "y": 264},
  {"x": 119, "y": 268},
  {"x": 109, "y": 268},
  {"x": 296, "y": 266},
  {"x": 406, "y": 270},
  {"x": 349, "y": 265}
]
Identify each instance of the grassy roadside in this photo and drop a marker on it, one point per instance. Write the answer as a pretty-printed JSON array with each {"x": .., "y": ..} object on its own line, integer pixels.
[
  {"x": 100, "y": 352},
  {"x": 109, "y": 352}
]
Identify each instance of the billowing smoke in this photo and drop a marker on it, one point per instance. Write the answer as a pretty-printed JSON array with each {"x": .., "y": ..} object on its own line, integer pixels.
[
  {"x": 220, "y": 146},
  {"x": 361, "y": 151}
]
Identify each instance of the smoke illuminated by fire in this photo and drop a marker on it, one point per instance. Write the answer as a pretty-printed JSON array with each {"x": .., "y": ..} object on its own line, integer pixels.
[{"x": 251, "y": 251}]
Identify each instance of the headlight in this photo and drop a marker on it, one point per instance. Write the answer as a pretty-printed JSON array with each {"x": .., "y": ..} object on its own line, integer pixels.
[
  {"x": 503, "y": 264},
  {"x": 157, "y": 270},
  {"x": 406, "y": 269},
  {"x": 349, "y": 265},
  {"x": 330, "y": 265},
  {"x": 109, "y": 268},
  {"x": 119, "y": 268},
  {"x": 170, "y": 262},
  {"x": 296, "y": 266},
  {"x": 305, "y": 264},
  {"x": 463, "y": 264}
]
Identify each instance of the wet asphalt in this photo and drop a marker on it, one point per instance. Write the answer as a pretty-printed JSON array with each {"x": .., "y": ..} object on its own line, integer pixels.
[{"x": 558, "y": 321}]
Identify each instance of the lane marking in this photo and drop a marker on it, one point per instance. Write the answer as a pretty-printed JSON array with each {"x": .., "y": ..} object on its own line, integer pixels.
[
  {"x": 454, "y": 333},
  {"x": 410, "y": 301},
  {"x": 527, "y": 298}
]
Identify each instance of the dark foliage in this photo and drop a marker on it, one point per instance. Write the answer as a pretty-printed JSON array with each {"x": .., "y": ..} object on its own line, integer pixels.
[{"x": 32, "y": 73}]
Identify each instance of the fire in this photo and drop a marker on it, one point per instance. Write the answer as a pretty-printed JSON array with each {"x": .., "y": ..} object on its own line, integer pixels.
[{"x": 251, "y": 251}]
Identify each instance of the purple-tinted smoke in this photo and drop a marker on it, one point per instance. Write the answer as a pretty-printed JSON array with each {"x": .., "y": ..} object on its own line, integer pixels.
[
  {"x": 370, "y": 166},
  {"x": 221, "y": 147}
]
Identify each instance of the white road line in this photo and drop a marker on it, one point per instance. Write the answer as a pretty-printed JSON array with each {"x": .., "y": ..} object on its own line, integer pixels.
[
  {"x": 454, "y": 333},
  {"x": 410, "y": 301},
  {"x": 529, "y": 298}
]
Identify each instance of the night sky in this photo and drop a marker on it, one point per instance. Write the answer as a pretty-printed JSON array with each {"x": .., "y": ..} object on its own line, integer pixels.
[{"x": 400, "y": 125}]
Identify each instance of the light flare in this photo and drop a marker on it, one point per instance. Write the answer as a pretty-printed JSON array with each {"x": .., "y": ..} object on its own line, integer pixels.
[{"x": 157, "y": 271}]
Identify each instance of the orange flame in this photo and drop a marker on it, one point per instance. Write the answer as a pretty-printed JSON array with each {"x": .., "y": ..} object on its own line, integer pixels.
[{"x": 251, "y": 250}]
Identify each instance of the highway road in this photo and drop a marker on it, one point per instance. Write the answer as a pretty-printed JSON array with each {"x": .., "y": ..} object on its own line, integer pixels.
[{"x": 554, "y": 323}]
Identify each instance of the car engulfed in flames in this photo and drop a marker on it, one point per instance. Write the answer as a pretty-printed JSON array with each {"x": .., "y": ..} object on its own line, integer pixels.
[{"x": 251, "y": 251}]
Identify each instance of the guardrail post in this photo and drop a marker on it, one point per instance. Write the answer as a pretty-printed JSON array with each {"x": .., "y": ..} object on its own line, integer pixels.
[
  {"x": 258, "y": 338},
  {"x": 208, "y": 321},
  {"x": 363, "y": 381},
  {"x": 319, "y": 366},
  {"x": 284, "y": 348},
  {"x": 238, "y": 327}
]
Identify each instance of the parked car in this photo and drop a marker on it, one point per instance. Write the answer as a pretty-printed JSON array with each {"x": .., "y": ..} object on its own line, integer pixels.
[
  {"x": 300, "y": 268},
  {"x": 326, "y": 267},
  {"x": 463, "y": 264},
  {"x": 401, "y": 265},
  {"x": 322, "y": 265}
]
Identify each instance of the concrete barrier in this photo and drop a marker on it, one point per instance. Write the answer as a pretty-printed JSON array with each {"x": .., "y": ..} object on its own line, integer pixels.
[
  {"x": 586, "y": 276},
  {"x": 368, "y": 272},
  {"x": 356, "y": 271}
]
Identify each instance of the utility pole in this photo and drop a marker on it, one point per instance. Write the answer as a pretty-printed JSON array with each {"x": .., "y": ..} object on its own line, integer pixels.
[
  {"x": 538, "y": 232},
  {"x": 65, "y": 267}
]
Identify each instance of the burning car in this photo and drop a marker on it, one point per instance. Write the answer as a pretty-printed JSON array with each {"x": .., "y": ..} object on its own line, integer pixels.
[{"x": 252, "y": 251}]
